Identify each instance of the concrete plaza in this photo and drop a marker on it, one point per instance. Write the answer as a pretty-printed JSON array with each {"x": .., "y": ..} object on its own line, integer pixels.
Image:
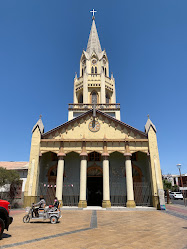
[{"x": 116, "y": 228}]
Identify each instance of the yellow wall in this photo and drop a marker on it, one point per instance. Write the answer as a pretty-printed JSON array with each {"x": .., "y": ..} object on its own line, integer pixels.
[
  {"x": 154, "y": 157},
  {"x": 31, "y": 186},
  {"x": 108, "y": 129}
]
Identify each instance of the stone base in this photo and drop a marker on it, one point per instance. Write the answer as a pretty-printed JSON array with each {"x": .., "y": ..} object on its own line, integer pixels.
[
  {"x": 28, "y": 200},
  {"x": 156, "y": 202},
  {"x": 106, "y": 204},
  {"x": 82, "y": 204},
  {"x": 130, "y": 204}
]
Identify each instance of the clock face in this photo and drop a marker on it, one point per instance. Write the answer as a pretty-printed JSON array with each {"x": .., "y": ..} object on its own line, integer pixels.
[
  {"x": 104, "y": 61},
  {"x": 94, "y": 126},
  {"x": 94, "y": 61}
]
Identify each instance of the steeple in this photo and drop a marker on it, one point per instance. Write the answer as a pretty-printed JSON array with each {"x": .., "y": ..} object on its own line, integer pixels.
[
  {"x": 94, "y": 87},
  {"x": 93, "y": 41}
]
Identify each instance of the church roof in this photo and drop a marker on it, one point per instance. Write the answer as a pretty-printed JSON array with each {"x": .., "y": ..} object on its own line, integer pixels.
[
  {"x": 99, "y": 112},
  {"x": 93, "y": 41},
  {"x": 14, "y": 165},
  {"x": 148, "y": 125},
  {"x": 40, "y": 125}
]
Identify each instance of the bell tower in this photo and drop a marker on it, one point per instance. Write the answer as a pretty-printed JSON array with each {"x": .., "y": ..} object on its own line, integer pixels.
[{"x": 94, "y": 86}]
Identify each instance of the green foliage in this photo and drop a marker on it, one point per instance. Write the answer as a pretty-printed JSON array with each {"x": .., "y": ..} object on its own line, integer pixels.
[
  {"x": 8, "y": 176},
  {"x": 167, "y": 185},
  {"x": 175, "y": 188}
]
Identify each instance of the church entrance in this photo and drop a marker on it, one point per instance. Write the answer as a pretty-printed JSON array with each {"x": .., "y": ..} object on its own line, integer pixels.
[
  {"x": 95, "y": 191},
  {"x": 94, "y": 186}
]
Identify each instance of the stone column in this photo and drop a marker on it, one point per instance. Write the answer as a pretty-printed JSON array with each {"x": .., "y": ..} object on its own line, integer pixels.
[
  {"x": 60, "y": 175},
  {"x": 129, "y": 180},
  {"x": 59, "y": 179},
  {"x": 83, "y": 177},
  {"x": 106, "y": 183}
]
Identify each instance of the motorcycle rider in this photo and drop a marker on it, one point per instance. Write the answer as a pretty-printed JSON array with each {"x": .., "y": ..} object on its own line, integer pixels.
[
  {"x": 40, "y": 204},
  {"x": 56, "y": 203}
]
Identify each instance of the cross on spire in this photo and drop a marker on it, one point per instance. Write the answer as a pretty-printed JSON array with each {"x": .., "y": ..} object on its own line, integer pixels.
[{"x": 93, "y": 11}]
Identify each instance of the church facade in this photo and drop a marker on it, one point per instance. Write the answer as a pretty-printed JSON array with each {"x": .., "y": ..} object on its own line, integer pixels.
[{"x": 95, "y": 159}]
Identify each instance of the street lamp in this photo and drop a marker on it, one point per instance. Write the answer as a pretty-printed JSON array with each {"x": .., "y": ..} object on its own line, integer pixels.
[{"x": 179, "y": 167}]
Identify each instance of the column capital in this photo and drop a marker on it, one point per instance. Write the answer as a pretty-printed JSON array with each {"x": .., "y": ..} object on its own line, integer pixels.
[
  {"x": 83, "y": 152},
  {"x": 105, "y": 151},
  {"x": 61, "y": 151},
  {"x": 127, "y": 150},
  {"x": 126, "y": 154},
  {"x": 61, "y": 154}
]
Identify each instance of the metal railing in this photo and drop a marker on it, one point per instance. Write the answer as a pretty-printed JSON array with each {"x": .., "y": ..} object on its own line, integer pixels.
[
  {"x": 118, "y": 193},
  {"x": 70, "y": 195},
  {"x": 81, "y": 106},
  {"x": 142, "y": 194}
]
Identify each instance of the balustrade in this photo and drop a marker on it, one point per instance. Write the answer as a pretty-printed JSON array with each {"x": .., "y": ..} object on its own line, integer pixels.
[{"x": 81, "y": 106}]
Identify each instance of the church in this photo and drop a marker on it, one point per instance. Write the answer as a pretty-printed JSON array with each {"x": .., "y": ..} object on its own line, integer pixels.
[{"x": 95, "y": 159}]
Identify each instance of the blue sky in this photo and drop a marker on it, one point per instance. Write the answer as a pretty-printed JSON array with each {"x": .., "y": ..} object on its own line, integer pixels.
[{"x": 41, "y": 42}]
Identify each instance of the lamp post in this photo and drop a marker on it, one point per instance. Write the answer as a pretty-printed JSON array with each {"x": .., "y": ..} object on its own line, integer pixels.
[{"x": 179, "y": 167}]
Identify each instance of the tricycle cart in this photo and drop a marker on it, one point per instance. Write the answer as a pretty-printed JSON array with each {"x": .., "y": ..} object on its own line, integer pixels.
[{"x": 51, "y": 213}]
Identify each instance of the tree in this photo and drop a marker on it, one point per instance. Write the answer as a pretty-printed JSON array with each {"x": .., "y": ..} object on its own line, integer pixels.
[
  {"x": 175, "y": 188},
  {"x": 9, "y": 180},
  {"x": 8, "y": 176},
  {"x": 167, "y": 185}
]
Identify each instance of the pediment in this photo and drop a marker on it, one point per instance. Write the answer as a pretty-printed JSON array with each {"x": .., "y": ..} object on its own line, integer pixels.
[{"x": 107, "y": 127}]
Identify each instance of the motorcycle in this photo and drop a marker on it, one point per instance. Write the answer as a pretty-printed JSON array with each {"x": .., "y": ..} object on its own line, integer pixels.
[{"x": 52, "y": 213}]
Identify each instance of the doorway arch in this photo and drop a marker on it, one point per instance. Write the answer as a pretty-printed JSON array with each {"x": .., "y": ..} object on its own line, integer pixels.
[{"x": 95, "y": 171}]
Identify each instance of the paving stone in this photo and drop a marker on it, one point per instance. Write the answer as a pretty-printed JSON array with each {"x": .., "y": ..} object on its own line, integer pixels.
[{"x": 114, "y": 229}]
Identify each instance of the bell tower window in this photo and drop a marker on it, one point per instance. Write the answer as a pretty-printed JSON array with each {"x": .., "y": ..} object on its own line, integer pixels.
[
  {"x": 92, "y": 70},
  {"x": 105, "y": 71},
  {"x": 95, "y": 69},
  {"x": 82, "y": 71},
  {"x": 107, "y": 98},
  {"x": 80, "y": 99},
  {"x": 94, "y": 97}
]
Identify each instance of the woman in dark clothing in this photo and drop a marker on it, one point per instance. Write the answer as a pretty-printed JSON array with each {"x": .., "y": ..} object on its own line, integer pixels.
[{"x": 56, "y": 203}]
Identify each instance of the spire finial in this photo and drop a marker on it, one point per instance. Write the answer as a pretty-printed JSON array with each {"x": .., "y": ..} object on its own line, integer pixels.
[
  {"x": 40, "y": 116},
  {"x": 93, "y": 11},
  {"x": 148, "y": 116}
]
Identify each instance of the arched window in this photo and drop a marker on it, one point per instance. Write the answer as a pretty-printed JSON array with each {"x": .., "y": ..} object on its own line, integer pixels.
[
  {"x": 82, "y": 71},
  {"x": 80, "y": 99},
  {"x": 94, "y": 171},
  {"x": 94, "y": 98},
  {"x": 95, "y": 69},
  {"x": 107, "y": 98},
  {"x": 105, "y": 71},
  {"x": 92, "y": 70},
  {"x": 94, "y": 156}
]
